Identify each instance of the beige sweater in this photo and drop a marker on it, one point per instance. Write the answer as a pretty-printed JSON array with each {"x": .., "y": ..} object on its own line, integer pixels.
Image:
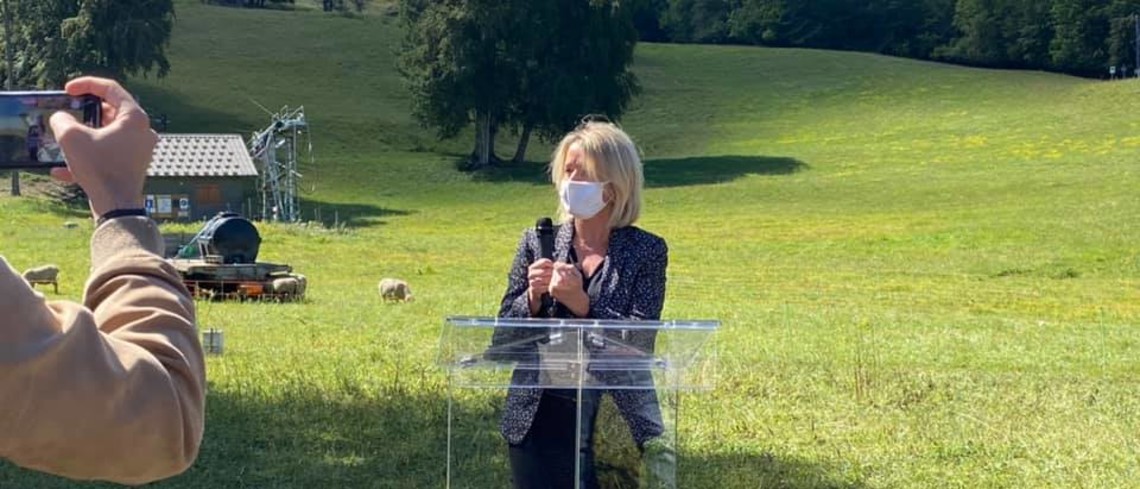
[{"x": 113, "y": 389}]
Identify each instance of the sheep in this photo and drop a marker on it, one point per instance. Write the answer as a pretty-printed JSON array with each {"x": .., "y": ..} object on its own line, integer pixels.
[
  {"x": 46, "y": 274},
  {"x": 290, "y": 287},
  {"x": 302, "y": 284},
  {"x": 392, "y": 289},
  {"x": 285, "y": 285}
]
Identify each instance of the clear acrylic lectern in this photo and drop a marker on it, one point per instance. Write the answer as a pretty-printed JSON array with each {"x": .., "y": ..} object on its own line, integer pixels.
[{"x": 622, "y": 380}]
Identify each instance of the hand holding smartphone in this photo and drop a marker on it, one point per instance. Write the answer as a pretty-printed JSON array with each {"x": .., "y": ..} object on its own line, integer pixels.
[
  {"x": 106, "y": 135},
  {"x": 110, "y": 162},
  {"x": 27, "y": 140}
]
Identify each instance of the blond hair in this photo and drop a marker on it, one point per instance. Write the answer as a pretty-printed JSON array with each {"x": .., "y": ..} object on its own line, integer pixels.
[{"x": 611, "y": 157}]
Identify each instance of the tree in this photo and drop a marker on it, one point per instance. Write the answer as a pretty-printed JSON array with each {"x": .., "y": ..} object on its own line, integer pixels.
[
  {"x": 521, "y": 64},
  {"x": 697, "y": 21},
  {"x": 1073, "y": 36},
  {"x": 1080, "y": 31},
  {"x": 982, "y": 34},
  {"x": 647, "y": 19},
  {"x": 901, "y": 27},
  {"x": 248, "y": 3},
  {"x": 51, "y": 41},
  {"x": 55, "y": 40},
  {"x": 343, "y": 5},
  {"x": 1029, "y": 29},
  {"x": 759, "y": 22},
  {"x": 574, "y": 60},
  {"x": 8, "y": 78},
  {"x": 1121, "y": 42},
  {"x": 452, "y": 63}
]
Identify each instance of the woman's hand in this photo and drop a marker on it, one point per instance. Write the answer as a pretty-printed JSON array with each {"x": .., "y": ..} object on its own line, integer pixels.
[
  {"x": 538, "y": 276},
  {"x": 566, "y": 288}
]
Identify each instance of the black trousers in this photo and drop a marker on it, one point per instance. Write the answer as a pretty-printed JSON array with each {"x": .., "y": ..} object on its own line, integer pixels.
[{"x": 545, "y": 458}]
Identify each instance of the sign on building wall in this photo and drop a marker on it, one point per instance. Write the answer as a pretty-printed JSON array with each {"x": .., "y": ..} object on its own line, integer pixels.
[
  {"x": 167, "y": 206},
  {"x": 184, "y": 206}
]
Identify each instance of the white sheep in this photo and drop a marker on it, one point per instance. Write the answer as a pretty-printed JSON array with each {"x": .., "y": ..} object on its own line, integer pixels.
[
  {"x": 302, "y": 284},
  {"x": 46, "y": 274},
  {"x": 286, "y": 286},
  {"x": 393, "y": 289}
]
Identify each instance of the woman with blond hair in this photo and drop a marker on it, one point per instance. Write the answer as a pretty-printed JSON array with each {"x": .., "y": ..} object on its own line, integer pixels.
[{"x": 603, "y": 267}]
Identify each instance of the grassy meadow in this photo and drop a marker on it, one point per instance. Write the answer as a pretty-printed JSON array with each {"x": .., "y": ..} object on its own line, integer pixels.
[{"x": 927, "y": 274}]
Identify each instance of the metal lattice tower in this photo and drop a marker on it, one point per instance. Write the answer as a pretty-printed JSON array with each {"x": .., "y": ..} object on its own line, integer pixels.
[{"x": 275, "y": 148}]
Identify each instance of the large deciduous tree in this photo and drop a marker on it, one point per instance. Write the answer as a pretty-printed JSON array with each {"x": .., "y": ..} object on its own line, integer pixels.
[
  {"x": 574, "y": 62},
  {"x": 55, "y": 40},
  {"x": 1074, "y": 36},
  {"x": 534, "y": 66},
  {"x": 51, "y": 41}
]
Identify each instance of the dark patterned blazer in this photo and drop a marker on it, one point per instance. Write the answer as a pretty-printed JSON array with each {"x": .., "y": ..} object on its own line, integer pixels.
[{"x": 628, "y": 285}]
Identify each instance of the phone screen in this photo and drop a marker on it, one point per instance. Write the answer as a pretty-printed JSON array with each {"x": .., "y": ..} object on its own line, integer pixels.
[{"x": 26, "y": 138}]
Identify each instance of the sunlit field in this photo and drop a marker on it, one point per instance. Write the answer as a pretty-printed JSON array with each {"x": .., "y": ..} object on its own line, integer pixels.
[{"x": 927, "y": 275}]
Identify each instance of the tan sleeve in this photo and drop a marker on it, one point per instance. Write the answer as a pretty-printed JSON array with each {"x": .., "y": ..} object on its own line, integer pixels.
[{"x": 113, "y": 389}]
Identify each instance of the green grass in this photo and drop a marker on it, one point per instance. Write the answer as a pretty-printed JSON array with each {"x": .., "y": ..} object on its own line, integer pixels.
[{"x": 927, "y": 274}]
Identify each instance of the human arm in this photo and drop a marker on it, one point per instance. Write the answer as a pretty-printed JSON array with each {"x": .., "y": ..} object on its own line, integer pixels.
[{"x": 113, "y": 389}]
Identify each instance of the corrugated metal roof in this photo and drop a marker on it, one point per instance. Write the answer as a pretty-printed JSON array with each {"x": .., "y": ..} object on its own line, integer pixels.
[{"x": 201, "y": 155}]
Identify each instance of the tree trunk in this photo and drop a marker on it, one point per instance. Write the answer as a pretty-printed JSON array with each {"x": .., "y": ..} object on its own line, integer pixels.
[
  {"x": 8, "y": 76},
  {"x": 484, "y": 142},
  {"x": 8, "y": 79},
  {"x": 478, "y": 155},
  {"x": 524, "y": 140},
  {"x": 492, "y": 131}
]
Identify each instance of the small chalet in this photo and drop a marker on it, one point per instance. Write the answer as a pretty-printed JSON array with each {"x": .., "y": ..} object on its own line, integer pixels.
[{"x": 195, "y": 176}]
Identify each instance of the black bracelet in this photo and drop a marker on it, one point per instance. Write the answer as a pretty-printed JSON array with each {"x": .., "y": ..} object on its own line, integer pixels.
[{"x": 119, "y": 213}]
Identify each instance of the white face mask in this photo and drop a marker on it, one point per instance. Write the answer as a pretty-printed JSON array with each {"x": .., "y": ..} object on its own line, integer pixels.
[{"x": 582, "y": 199}]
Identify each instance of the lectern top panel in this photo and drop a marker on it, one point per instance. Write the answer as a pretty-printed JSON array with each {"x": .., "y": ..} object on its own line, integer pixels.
[
  {"x": 485, "y": 322},
  {"x": 578, "y": 353}
]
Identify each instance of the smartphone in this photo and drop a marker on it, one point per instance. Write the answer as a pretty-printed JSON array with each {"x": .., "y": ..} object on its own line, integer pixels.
[{"x": 26, "y": 138}]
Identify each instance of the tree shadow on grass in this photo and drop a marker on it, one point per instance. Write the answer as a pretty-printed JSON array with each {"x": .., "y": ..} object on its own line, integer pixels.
[
  {"x": 400, "y": 440},
  {"x": 664, "y": 172},
  {"x": 705, "y": 170},
  {"x": 765, "y": 470},
  {"x": 302, "y": 437},
  {"x": 620, "y": 462},
  {"x": 353, "y": 215}
]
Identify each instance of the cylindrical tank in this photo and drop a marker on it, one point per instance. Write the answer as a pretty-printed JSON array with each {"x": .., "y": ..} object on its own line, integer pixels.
[{"x": 232, "y": 237}]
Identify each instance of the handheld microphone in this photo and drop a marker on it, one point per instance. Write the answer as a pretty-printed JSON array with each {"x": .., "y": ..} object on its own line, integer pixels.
[{"x": 544, "y": 228}]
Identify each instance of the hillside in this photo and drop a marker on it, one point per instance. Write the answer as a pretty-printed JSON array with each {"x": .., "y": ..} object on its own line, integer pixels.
[{"x": 927, "y": 273}]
